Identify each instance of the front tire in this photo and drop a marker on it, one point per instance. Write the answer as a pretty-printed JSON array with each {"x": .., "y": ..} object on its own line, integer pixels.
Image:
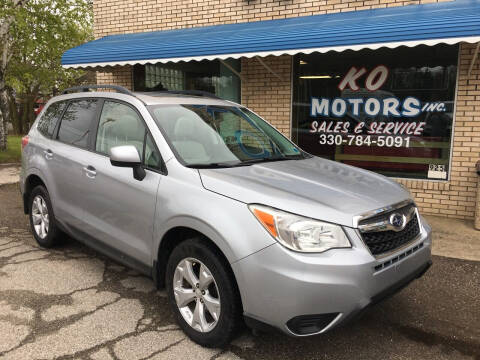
[
  {"x": 203, "y": 293},
  {"x": 42, "y": 220}
]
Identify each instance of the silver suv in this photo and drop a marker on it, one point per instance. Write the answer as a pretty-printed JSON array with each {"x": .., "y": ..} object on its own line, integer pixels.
[{"x": 214, "y": 204}]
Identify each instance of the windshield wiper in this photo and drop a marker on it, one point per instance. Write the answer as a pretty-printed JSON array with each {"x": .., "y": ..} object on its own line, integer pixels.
[
  {"x": 273, "y": 158},
  {"x": 298, "y": 156},
  {"x": 219, "y": 165},
  {"x": 210, "y": 165}
]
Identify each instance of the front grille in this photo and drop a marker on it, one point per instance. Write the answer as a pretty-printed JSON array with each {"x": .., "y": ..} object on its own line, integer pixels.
[{"x": 380, "y": 242}]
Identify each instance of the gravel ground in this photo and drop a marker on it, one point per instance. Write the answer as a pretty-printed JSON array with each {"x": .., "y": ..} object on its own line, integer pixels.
[{"x": 72, "y": 302}]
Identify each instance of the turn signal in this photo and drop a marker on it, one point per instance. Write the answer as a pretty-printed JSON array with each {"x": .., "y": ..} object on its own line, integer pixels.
[{"x": 267, "y": 220}]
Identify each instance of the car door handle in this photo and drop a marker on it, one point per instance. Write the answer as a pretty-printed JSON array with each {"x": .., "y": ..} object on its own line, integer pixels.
[
  {"x": 48, "y": 154},
  {"x": 90, "y": 171}
]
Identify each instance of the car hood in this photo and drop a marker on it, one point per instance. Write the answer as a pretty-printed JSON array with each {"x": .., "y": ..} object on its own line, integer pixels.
[{"x": 313, "y": 187}]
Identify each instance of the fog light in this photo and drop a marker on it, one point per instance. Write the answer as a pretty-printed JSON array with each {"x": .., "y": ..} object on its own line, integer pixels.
[{"x": 310, "y": 324}]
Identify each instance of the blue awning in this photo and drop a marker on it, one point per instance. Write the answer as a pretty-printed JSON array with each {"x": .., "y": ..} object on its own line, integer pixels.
[{"x": 430, "y": 24}]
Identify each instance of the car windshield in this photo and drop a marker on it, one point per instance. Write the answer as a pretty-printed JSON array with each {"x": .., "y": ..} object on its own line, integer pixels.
[{"x": 205, "y": 136}]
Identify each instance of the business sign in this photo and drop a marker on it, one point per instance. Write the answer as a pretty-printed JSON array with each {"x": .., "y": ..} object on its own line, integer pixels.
[
  {"x": 369, "y": 102},
  {"x": 388, "y": 110}
]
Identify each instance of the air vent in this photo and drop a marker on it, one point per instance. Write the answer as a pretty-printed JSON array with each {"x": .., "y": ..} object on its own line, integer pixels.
[{"x": 397, "y": 258}]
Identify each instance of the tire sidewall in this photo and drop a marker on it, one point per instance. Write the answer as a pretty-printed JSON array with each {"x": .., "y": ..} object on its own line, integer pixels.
[
  {"x": 49, "y": 240},
  {"x": 227, "y": 323}
]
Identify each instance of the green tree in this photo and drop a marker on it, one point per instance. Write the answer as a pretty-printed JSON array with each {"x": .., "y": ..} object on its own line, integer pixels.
[
  {"x": 8, "y": 11},
  {"x": 42, "y": 31}
]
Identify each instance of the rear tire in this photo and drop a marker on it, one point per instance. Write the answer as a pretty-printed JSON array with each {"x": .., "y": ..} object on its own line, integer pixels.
[
  {"x": 203, "y": 293},
  {"x": 42, "y": 219}
]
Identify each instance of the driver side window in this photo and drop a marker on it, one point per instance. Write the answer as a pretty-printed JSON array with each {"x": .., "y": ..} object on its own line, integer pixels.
[{"x": 121, "y": 125}]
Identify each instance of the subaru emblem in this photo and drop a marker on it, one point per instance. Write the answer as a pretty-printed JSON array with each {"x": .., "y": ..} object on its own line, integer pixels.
[{"x": 398, "y": 221}]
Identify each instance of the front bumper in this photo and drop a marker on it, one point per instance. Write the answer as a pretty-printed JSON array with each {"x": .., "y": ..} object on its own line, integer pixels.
[{"x": 278, "y": 285}]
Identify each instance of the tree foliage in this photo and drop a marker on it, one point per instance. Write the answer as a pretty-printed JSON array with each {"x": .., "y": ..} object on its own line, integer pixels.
[
  {"x": 41, "y": 32},
  {"x": 44, "y": 29},
  {"x": 8, "y": 10}
]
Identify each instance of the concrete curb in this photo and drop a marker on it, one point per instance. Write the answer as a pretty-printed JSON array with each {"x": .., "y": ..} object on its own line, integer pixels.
[
  {"x": 9, "y": 183},
  {"x": 9, "y": 174}
]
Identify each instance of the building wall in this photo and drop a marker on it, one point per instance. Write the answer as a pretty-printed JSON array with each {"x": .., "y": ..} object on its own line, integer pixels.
[
  {"x": 128, "y": 16},
  {"x": 267, "y": 94},
  {"x": 262, "y": 91},
  {"x": 118, "y": 75},
  {"x": 270, "y": 96}
]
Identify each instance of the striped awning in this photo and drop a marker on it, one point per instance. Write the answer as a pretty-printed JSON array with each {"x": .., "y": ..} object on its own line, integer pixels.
[{"x": 429, "y": 24}]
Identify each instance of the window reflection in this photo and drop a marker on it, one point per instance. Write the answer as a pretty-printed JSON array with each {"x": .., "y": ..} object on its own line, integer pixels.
[
  {"x": 210, "y": 76},
  {"x": 76, "y": 121}
]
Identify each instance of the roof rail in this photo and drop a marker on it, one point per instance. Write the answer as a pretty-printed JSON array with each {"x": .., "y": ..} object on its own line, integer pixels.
[
  {"x": 189, "y": 92},
  {"x": 86, "y": 88}
]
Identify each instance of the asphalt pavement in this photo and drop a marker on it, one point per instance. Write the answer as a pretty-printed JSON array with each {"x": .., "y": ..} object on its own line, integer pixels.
[{"x": 73, "y": 303}]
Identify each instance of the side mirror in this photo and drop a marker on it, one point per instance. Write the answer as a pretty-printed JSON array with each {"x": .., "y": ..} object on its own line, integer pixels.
[{"x": 127, "y": 156}]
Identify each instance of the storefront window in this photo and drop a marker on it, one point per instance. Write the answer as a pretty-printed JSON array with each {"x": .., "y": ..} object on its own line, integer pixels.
[
  {"x": 211, "y": 76},
  {"x": 388, "y": 110}
]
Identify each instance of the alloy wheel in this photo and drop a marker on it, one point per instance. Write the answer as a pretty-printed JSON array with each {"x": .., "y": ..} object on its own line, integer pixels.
[
  {"x": 196, "y": 294},
  {"x": 40, "y": 218}
]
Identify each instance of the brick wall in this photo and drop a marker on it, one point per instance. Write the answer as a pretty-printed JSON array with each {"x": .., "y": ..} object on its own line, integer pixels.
[
  {"x": 267, "y": 94},
  {"x": 270, "y": 96},
  {"x": 127, "y": 16},
  {"x": 118, "y": 75}
]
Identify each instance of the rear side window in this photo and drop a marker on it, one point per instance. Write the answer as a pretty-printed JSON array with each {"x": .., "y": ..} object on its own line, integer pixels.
[
  {"x": 76, "y": 122},
  {"x": 49, "y": 119}
]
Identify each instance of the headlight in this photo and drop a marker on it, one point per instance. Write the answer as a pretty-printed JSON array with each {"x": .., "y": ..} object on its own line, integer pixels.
[{"x": 300, "y": 233}]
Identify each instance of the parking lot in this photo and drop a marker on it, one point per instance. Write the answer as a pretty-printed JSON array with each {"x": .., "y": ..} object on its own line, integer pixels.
[{"x": 72, "y": 302}]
